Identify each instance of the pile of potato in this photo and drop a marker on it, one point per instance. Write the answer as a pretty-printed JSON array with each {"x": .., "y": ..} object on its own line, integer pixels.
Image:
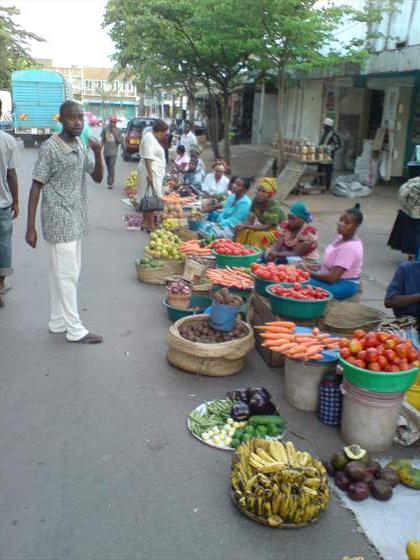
[
  {"x": 225, "y": 297},
  {"x": 201, "y": 331}
]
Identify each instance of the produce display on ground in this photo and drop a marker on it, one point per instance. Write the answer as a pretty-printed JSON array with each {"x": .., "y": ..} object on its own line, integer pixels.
[
  {"x": 171, "y": 224},
  {"x": 281, "y": 337},
  {"x": 224, "y": 297},
  {"x": 228, "y": 247},
  {"x": 277, "y": 485},
  {"x": 231, "y": 277},
  {"x": 172, "y": 211},
  {"x": 148, "y": 262},
  {"x": 361, "y": 477},
  {"x": 379, "y": 352},
  {"x": 131, "y": 182},
  {"x": 279, "y": 272},
  {"x": 221, "y": 424},
  {"x": 300, "y": 292},
  {"x": 164, "y": 245},
  {"x": 179, "y": 287},
  {"x": 195, "y": 248},
  {"x": 201, "y": 331},
  {"x": 133, "y": 221},
  {"x": 174, "y": 198}
]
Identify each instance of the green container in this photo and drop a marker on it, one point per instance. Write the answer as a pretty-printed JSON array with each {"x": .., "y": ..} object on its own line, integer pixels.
[
  {"x": 244, "y": 261},
  {"x": 261, "y": 284},
  {"x": 175, "y": 313},
  {"x": 296, "y": 308},
  {"x": 378, "y": 382}
]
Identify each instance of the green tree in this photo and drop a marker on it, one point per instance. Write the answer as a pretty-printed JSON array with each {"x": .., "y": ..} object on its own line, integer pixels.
[
  {"x": 13, "y": 45},
  {"x": 196, "y": 41}
]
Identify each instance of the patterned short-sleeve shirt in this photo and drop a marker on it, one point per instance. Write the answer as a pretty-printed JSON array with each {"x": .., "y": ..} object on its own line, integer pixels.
[{"x": 62, "y": 168}]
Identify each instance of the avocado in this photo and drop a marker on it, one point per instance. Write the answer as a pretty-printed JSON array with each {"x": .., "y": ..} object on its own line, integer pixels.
[
  {"x": 355, "y": 453},
  {"x": 339, "y": 461}
]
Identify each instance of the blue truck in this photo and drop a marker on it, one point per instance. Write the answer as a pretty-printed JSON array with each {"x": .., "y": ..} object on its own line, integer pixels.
[{"x": 36, "y": 99}]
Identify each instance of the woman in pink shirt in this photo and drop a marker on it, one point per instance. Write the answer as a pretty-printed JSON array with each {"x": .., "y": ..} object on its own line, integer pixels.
[{"x": 343, "y": 258}]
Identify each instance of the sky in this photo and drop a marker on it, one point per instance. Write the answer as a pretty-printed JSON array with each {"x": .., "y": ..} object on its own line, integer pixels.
[{"x": 71, "y": 29}]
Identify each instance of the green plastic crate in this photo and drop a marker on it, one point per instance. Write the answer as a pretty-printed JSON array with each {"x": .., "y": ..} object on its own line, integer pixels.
[
  {"x": 378, "y": 382},
  {"x": 175, "y": 313},
  {"x": 296, "y": 308},
  {"x": 243, "y": 261}
]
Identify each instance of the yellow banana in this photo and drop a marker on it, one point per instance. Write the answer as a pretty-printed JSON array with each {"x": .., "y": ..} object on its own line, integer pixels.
[
  {"x": 275, "y": 504},
  {"x": 313, "y": 482},
  {"x": 291, "y": 452},
  {"x": 310, "y": 491},
  {"x": 264, "y": 456}
]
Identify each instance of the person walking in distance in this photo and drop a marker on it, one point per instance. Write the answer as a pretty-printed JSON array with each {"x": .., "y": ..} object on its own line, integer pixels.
[
  {"x": 60, "y": 174},
  {"x": 111, "y": 138},
  {"x": 9, "y": 204}
]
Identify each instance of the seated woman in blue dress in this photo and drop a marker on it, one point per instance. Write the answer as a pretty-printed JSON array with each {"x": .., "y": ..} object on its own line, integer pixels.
[{"x": 235, "y": 211}]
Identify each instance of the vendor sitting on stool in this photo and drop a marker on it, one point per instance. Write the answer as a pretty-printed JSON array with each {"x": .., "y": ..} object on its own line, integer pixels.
[
  {"x": 329, "y": 138},
  {"x": 403, "y": 293},
  {"x": 343, "y": 258}
]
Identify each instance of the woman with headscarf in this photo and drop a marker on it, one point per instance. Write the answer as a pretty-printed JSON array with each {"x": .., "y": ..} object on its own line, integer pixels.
[
  {"x": 405, "y": 234},
  {"x": 297, "y": 240},
  {"x": 235, "y": 210},
  {"x": 260, "y": 230}
]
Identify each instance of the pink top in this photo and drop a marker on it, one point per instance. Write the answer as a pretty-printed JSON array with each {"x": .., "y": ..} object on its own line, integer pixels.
[{"x": 347, "y": 254}]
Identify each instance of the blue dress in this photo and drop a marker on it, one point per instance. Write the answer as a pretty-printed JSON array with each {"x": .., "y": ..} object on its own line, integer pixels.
[{"x": 234, "y": 213}]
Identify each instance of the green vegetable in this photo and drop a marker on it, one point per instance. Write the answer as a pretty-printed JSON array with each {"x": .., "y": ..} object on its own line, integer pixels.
[
  {"x": 261, "y": 431},
  {"x": 266, "y": 419},
  {"x": 216, "y": 416},
  {"x": 274, "y": 430}
]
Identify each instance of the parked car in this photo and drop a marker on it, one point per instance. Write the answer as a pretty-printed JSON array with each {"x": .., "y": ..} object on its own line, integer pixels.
[
  {"x": 92, "y": 119},
  {"x": 133, "y": 135}
]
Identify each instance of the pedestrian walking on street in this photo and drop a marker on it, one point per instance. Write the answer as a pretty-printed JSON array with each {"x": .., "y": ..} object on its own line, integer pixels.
[
  {"x": 188, "y": 138},
  {"x": 60, "y": 173},
  {"x": 111, "y": 138},
  {"x": 9, "y": 204},
  {"x": 331, "y": 139}
]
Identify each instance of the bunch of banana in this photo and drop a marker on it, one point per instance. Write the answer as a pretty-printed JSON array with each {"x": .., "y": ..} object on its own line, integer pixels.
[
  {"x": 131, "y": 181},
  {"x": 275, "y": 481}
]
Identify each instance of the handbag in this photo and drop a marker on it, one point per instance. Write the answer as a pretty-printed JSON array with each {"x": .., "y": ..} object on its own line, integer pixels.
[{"x": 150, "y": 202}]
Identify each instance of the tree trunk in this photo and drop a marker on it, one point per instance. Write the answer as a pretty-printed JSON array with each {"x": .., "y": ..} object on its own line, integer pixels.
[
  {"x": 191, "y": 108},
  {"x": 261, "y": 115},
  {"x": 280, "y": 86},
  {"x": 226, "y": 124},
  {"x": 214, "y": 127},
  {"x": 173, "y": 105}
]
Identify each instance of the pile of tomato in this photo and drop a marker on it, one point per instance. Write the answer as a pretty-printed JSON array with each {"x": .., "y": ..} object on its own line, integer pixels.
[
  {"x": 279, "y": 272},
  {"x": 379, "y": 351},
  {"x": 301, "y": 292},
  {"x": 228, "y": 247}
]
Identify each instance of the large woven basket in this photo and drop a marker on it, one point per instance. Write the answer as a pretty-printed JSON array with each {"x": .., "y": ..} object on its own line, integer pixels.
[
  {"x": 158, "y": 276},
  {"x": 344, "y": 317},
  {"x": 217, "y": 360}
]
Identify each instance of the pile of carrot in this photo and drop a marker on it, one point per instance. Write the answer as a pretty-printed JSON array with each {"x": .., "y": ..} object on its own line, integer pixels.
[
  {"x": 174, "y": 198},
  {"x": 280, "y": 336},
  {"x": 193, "y": 248},
  {"x": 231, "y": 277}
]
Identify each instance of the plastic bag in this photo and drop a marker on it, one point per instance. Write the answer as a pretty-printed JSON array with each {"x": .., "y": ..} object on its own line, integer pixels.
[{"x": 349, "y": 187}]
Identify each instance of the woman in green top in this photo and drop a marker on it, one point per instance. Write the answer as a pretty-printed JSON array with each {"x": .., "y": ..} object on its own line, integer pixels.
[{"x": 260, "y": 230}]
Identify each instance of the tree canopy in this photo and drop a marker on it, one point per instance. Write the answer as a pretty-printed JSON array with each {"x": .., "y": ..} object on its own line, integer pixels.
[{"x": 14, "y": 45}]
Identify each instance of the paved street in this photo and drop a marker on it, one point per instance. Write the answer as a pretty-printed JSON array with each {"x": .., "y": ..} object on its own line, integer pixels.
[{"x": 96, "y": 460}]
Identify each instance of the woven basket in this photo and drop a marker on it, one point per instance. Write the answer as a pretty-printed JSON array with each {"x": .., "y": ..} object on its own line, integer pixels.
[
  {"x": 185, "y": 234},
  {"x": 345, "y": 317},
  {"x": 180, "y": 301},
  {"x": 158, "y": 276},
  {"x": 216, "y": 360}
]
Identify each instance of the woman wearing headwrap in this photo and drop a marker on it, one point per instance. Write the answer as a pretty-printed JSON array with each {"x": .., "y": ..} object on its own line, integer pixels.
[
  {"x": 261, "y": 228},
  {"x": 405, "y": 235},
  {"x": 298, "y": 240}
]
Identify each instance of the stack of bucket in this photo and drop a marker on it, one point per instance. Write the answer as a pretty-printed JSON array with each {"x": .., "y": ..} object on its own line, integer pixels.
[{"x": 371, "y": 405}]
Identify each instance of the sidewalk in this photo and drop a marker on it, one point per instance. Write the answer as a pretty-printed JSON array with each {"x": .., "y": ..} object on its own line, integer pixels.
[{"x": 379, "y": 209}]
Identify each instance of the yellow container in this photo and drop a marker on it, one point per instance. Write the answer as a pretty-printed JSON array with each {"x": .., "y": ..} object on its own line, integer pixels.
[{"x": 413, "y": 394}]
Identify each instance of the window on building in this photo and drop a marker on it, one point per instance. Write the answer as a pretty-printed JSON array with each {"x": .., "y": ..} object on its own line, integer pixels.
[{"x": 89, "y": 84}]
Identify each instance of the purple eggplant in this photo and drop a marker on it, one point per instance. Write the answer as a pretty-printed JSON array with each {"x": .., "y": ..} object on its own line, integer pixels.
[
  {"x": 238, "y": 395},
  {"x": 252, "y": 391},
  {"x": 260, "y": 404},
  {"x": 240, "y": 411}
]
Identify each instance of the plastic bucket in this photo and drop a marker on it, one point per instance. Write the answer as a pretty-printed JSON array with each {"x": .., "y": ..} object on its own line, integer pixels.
[
  {"x": 369, "y": 418},
  {"x": 223, "y": 317},
  {"x": 301, "y": 383},
  {"x": 296, "y": 308}
]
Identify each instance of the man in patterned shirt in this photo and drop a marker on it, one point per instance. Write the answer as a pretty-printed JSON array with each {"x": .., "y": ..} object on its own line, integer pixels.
[{"x": 60, "y": 173}]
